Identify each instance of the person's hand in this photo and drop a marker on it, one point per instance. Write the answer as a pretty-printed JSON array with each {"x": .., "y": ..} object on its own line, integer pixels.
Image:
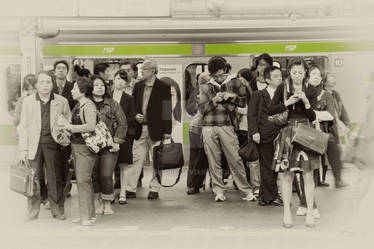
[
  {"x": 139, "y": 118},
  {"x": 66, "y": 127},
  {"x": 303, "y": 97},
  {"x": 218, "y": 98},
  {"x": 115, "y": 147},
  {"x": 227, "y": 95},
  {"x": 167, "y": 136},
  {"x": 292, "y": 100},
  {"x": 256, "y": 138},
  {"x": 22, "y": 156}
]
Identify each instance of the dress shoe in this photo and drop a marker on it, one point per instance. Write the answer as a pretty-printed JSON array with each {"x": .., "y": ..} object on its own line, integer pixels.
[
  {"x": 59, "y": 217},
  {"x": 192, "y": 191},
  {"x": 153, "y": 195},
  {"x": 340, "y": 184},
  {"x": 263, "y": 203},
  {"x": 130, "y": 195},
  {"x": 277, "y": 202},
  {"x": 323, "y": 184}
]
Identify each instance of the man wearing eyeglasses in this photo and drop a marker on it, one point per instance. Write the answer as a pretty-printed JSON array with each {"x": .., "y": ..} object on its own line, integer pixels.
[
  {"x": 218, "y": 131},
  {"x": 153, "y": 121}
]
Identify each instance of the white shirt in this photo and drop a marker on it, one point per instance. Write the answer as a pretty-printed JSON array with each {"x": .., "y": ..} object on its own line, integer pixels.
[
  {"x": 117, "y": 95},
  {"x": 261, "y": 85},
  {"x": 177, "y": 132},
  {"x": 271, "y": 91}
]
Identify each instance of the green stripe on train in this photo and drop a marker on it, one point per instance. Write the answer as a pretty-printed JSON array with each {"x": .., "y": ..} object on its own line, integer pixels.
[
  {"x": 10, "y": 50},
  {"x": 281, "y": 48},
  {"x": 7, "y": 135},
  {"x": 102, "y": 50}
]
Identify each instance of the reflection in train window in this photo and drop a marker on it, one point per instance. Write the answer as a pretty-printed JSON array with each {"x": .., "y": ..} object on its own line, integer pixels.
[{"x": 191, "y": 75}]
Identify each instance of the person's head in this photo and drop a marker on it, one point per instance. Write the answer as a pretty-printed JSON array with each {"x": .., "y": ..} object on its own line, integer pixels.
[
  {"x": 315, "y": 75},
  {"x": 175, "y": 97},
  {"x": 44, "y": 84},
  {"x": 28, "y": 84},
  {"x": 102, "y": 69},
  {"x": 217, "y": 69},
  {"x": 273, "y": 76},
  {"x": 298, "y": 70},
  {"x": 262, "y": 62},
  {"x": 246, "y": 75},
  {"x": 121, "y": 79},
  {"x": 330, "y": 82},
  {"x": 82, "y": 88},
  {"x": 100, "y": 89},
  {"x": 61, "y": 69},
  {"x": 149, "y": 69},
  {"x": 130, "y": 68}
]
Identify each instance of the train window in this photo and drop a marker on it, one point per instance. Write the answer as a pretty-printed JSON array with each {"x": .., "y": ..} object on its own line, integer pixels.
[{"x": 191, "y": 75}]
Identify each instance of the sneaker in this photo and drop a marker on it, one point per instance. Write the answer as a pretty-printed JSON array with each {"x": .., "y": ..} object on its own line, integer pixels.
[
  {"x": 249, "y": 197},
  {"x": 316, "y": 214},
  {"x": 256, "y": 193},
  {"x": 108, "y": 211},
  {"x": 122, "y": 200},
  {"x": 100, "y": 211},
  {"x": 301, "y": 211},
  {"x": 220, "y": 198}
]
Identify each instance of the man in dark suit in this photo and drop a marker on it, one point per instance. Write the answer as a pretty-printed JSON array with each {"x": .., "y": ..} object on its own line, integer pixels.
[
  {"x": 64, "y": 87},
  {"x": 153, "y": 119},
  {"x": 263, "y": 132}
]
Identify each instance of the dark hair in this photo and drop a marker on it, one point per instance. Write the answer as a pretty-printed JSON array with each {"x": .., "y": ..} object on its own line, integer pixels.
[
  {"x": 85, "y": 86},
  {"x": 298, "y": 61},
  {"x": 100, "y": 68},
  {"x": 266, "y": 57},
  {"x": 246, "y": 73},
  {"x": 228, "y": 67},
  {"x": 123, "y": 75},
  {"x": 133, "y": 66},
  {"x": 28, "y": 82},
  {"x": 177, "y": 112},
  {"x": 321, "y": 70},
  {"x": 269, "y": 70},
  {"x": 107, "y": 91},
  {"x": 216, "y": 63},
  {"x": 61, "y": 62}
]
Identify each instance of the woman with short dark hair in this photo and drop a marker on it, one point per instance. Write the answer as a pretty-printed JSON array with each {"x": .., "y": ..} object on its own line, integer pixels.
[{"x": 84, "y": 118}]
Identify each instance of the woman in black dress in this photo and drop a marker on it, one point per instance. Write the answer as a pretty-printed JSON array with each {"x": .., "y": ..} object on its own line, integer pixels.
[
  {"x": 125, "y": 158},
  {"x": 300, "y": 100}
]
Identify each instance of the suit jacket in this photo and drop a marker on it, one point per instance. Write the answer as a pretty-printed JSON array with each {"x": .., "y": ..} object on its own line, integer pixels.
[
  {"x": 258, "y": 117},
  {"x": 128, "y": 106},
  {"x": 67, "y": 94},
  {"x": 158, "y": 110},
  {"x": 30, "y": 125}
]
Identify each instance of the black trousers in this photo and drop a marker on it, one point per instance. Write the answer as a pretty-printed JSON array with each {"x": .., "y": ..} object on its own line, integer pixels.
[
  {"x": 47, "y": 155},
  {"x": 64, "y": 155},
  {"x": 243, "y": 138},
  {"x": 198, "y": 164},
  {"x": 268, "y": 187}
]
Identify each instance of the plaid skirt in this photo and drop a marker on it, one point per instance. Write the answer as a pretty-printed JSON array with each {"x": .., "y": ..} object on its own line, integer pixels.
[{"x": 289, "y": 156}]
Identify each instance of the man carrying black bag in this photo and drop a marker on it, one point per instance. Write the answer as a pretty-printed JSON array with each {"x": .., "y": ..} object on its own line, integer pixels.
[{"x": 263, "y": 132}]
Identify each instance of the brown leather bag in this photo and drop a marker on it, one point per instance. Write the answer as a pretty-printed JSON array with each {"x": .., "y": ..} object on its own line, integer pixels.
[
  {"x": 22, "y": 179},
  {"x": 311, "y": 139}
]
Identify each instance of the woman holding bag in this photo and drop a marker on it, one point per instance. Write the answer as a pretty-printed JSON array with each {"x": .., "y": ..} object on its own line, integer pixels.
[
  {"x": 300, "y": 100},
  {"x": 115, "y": 120},
  {"x": 84, "y": 118}
]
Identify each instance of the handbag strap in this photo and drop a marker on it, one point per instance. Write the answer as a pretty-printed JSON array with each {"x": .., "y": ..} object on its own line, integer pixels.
[{"x": 157, "y": 173}]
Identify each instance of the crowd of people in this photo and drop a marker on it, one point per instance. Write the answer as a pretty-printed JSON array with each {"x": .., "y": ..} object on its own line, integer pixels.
[{"x": 232, "y": 110}]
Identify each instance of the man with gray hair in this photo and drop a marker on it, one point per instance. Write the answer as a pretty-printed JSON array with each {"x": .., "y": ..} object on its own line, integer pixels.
[{"x": 153, "y": 123}]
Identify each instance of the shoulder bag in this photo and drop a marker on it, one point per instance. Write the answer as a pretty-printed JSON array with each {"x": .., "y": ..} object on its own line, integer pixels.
[{"x": 22, "y": 179}]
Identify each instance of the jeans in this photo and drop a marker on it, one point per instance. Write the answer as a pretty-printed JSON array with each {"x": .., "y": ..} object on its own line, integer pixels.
[
  {"x": 84, "y": 162},
  {"x": 102, "y": 175}
]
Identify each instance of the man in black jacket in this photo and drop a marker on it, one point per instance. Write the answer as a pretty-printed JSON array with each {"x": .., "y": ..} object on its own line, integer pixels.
[
  {"x": 263, "y": 132},
  {"x": 153, "y": 119},
  {"x": 64, "y": 87}
]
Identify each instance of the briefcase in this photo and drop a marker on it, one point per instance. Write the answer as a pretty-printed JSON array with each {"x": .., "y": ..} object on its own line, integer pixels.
[
  {"x": 310, "y": 139},
  {"x": 22, "y": 179},
  {"x": 168, "y": 156}
]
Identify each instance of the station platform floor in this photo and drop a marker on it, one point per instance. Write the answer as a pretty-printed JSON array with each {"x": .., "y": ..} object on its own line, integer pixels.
[{"x": 178, "y": 220}]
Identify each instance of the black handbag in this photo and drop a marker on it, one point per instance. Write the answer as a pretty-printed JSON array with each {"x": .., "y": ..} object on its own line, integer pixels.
[
  {"x": 248, "y": 151},
  {"x": 168, "y": 156},
  {"x": 311, "y": 139},
  {"x": 22, "y": 179}
]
